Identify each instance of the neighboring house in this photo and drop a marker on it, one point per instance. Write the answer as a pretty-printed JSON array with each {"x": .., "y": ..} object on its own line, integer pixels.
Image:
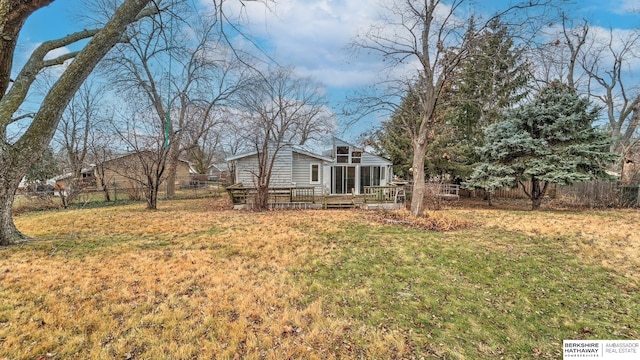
[
  {"x": 215, "y": 171},
  {"x": 88, "y": 179},
  {"x": 341, "y": 169},
  {"x": 62, "y": 183},
  {"x": 126, "y": 171}
]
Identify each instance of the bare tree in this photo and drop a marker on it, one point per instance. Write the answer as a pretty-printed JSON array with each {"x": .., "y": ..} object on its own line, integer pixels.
[
  {"x": 17, "y": 154},
  {"x": 281, "y": 109},
  {"x": 423, "y": 42},
  {"x": 605, "y": 62},
  {"x": 100, "y": 149},
  {"x": 77, "y": 124},
  {"x": 204, "y": 138},
  {"x": 140, "y": 133},
  {"x": 185, "y": 75}
]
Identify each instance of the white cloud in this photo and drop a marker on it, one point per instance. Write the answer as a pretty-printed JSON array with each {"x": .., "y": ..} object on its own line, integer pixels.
[
  {"x": 627, "y": 6},
  {"x": 56, "y": 53},
  {"x": 313, "y": 36}
]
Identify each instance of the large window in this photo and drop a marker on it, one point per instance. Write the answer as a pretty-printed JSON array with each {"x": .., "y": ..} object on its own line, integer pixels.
[{"x": 315, "y": 174}]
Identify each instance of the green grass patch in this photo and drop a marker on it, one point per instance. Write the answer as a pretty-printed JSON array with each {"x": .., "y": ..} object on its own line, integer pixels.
[{"x": 456, "y": 299}]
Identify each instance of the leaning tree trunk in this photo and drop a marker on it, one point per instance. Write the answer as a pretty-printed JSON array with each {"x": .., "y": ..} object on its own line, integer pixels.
[{"x": 36, "y": 138}]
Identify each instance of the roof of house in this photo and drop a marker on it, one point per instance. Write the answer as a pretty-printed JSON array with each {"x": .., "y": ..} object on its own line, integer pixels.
[
  {"x": 327, "y": 155},
  {"x": 292, "y": 147},
  {"x": 131, "y": 153},
  {"x": 219, "y": 167}
]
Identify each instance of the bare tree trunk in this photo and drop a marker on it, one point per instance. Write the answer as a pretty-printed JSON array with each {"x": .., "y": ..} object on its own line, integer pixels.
[
  {"x": 152, "y": 199},
  {"x": 171, "y": 178},
  {"x": 262, "y": 197},
  {"x": 152, "y": 193},
  {"x": 419, "y": 187},
  {"x": 172, "y": 165},
  {"x": 9, "y": 234}
]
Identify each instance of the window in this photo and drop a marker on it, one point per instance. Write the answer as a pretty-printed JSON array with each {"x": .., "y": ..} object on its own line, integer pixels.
[
  {"x": 315, "y": 174},
  {"x": 371, "y": 176},
  {"x": 356, "y": 156},
  {"x": 375, "y": 175},
  {"x": 342, "y": 154}
]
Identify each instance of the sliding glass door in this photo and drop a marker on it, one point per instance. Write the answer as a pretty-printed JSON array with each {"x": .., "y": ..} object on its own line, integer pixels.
[{"x": 343, "y": 179}]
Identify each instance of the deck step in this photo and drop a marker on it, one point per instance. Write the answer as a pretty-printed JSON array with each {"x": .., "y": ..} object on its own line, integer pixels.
[{"x": 344, "y": 205}]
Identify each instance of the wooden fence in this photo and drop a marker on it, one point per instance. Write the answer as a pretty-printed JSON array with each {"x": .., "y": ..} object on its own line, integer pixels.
[
  {"x": 600, "y": 193},
  {"x": 596, "y": 193}
]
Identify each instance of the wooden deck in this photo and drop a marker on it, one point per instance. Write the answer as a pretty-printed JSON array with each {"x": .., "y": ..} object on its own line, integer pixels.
[{"x": 305, "y": 198}]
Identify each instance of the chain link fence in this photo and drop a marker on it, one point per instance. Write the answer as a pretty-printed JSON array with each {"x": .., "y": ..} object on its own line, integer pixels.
[{"x": 46, "y": 196}]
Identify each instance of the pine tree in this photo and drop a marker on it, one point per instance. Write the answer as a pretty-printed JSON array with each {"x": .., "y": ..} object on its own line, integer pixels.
[
  {"x": 491, "y": 79},
  {"x": 550, "y": 140},
  {"x": 391, "y": 140}
]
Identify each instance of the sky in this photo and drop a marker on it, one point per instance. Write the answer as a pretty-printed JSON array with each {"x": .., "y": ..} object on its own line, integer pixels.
[{"x": 313, "y": 36}]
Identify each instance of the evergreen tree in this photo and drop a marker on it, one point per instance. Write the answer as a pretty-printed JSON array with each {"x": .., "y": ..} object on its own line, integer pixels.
[
  {"x": 550, "y": 140},
  {"x": 486, "y": 83},
  {"x": 391, "y": 141},
  {"x": 492, "y": 78}
]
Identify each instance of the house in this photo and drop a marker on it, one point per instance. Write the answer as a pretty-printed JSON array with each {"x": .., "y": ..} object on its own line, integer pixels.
[
  {"x": 127, "y": 171},
  {"x": 341, "y": 169},
  {"x": 87, "y": 180},
  {"x": 215, "y": 172}
]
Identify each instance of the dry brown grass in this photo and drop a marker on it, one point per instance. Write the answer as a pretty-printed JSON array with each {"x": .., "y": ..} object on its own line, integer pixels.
[
  {"x": 181, "y": 282},
  {"x": 196, "y": 280},
  {"x": 431, "y": 220}
]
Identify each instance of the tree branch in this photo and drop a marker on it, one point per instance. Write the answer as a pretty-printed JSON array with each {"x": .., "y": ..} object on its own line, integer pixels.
[
  {"x": 60, "y": 59},
  {"x": 12, "y": 100},
  {"x": 46, "y": 120}
]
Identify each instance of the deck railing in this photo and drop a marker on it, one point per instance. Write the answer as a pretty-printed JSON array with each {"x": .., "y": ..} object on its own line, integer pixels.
[
  {"x": 280, "y": 197},
  {"x": 245, "y": 195},
  {"x": 381, "y": 194}
]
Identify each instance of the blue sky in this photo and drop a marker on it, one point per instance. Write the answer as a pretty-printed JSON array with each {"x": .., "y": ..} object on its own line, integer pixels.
[{"x": 312, "y": 35}]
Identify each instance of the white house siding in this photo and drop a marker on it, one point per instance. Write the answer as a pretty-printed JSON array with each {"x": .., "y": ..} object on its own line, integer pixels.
[
  {"x": 301, "y": 171},
  {"x": 280, "y": 176},
  {"x": 244, "y": 167},
  {"x": 372, "y": 160}
]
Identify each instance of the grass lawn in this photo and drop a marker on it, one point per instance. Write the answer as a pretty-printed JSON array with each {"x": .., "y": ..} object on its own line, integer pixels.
[{"x": 195, "y": 280}]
